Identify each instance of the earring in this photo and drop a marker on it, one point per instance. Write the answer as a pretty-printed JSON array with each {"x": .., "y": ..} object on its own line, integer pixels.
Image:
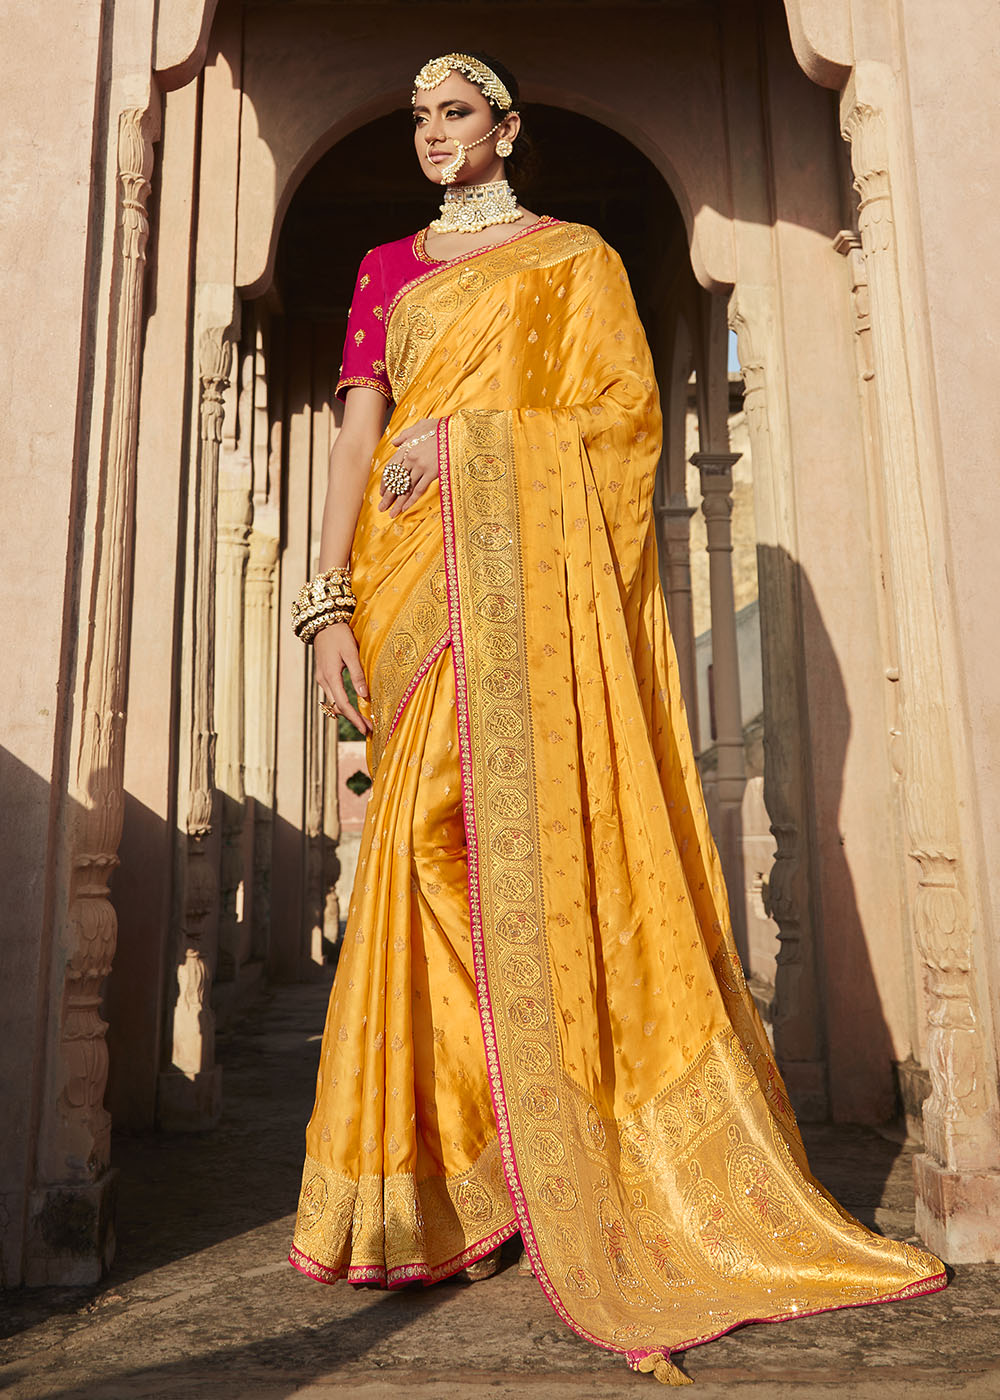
[{"x": 504, "y": 146}]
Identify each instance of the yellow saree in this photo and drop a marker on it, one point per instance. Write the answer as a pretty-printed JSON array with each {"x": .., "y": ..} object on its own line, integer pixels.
[{"x": 539, "y": 1021}]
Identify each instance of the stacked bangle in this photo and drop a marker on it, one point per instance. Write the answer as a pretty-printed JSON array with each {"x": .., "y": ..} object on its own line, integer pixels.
[{"x": 325, "y": 599}]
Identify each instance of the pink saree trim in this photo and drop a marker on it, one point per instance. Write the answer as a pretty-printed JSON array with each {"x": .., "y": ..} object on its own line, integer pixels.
[
  {"x": 546, "y": 221},
  {"x": 403, "y": 1274},
  {"x": 485, "y": 1003},
  {"x": 935, "y": 1283},
  {"x": 443, "y": 641}
]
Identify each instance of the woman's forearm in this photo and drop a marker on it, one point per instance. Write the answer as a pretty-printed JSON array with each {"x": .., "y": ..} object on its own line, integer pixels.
[{"x": 350, "y": 464}]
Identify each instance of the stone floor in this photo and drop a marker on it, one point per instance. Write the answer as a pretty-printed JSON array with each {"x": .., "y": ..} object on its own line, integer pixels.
[{"x": 201, "y": 1305}]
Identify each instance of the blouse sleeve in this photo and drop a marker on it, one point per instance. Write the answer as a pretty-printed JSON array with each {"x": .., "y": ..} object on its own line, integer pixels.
[{"x": 364, "y": 345}]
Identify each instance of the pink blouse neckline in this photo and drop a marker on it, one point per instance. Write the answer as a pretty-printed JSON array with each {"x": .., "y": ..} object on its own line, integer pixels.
[{"x": 421, "y": 254}]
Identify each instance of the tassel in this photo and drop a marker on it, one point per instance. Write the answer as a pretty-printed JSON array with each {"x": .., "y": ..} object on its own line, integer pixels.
[{"x": 663, "y": 1369}]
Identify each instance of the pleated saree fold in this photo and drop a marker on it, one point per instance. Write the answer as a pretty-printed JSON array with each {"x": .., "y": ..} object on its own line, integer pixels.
[{"x": 540, "y": 1022}]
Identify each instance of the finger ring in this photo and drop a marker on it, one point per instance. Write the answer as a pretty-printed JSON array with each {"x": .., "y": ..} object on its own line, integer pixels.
[
  {"x": 329, "y": 708},
  {"x": 396, "y": 478}
]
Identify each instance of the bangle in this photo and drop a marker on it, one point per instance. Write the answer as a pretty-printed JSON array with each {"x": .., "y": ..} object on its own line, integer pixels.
[{"x": 326, "y": 598}]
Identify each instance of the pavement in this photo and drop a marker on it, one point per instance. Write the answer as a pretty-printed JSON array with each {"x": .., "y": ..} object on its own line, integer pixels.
[{"x": 201, "y": 1305}]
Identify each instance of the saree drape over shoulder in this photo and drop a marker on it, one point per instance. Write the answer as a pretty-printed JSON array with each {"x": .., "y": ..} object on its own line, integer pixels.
[{"x": 539, "y": 1021}]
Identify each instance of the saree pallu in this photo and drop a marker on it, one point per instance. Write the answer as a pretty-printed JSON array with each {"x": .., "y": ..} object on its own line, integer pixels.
[{"x": 539, "y": 1022}]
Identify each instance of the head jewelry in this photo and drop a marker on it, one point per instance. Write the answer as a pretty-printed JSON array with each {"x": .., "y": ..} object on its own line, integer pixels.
[{"x": 437, "y": 69}]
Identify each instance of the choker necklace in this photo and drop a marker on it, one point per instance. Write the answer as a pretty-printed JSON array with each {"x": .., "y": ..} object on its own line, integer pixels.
[{"x": 469, "y": 208}]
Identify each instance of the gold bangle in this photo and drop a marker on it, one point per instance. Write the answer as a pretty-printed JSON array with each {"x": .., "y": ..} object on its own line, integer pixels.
[{"x": 326, "y": 598}]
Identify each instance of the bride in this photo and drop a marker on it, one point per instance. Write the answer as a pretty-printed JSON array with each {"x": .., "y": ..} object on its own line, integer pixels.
[{"x": 539, "y": 1022}]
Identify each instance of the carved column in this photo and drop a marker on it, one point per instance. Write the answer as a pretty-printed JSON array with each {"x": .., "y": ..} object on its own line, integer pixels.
[
  {"x": 261, "y": 658},
  {"x": 235, "y": 515},
  {"x": 797, "y": 1020},
  {"x": 71, "y": 1228},
  {"x": 716, "y": 472},
  {"x": 190, "y": 1091},
  {"x": 261, "y": 684},
  {"x": 958, "y": 1204},
  {"x": 913, "y": 1077},
  {"x": 673, "y": 522}
]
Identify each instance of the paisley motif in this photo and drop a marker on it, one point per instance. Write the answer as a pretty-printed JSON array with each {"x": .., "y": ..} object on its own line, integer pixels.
[
  {"x": 508, "y": 803},
  {"x": 496, "y": 607},
  {"x": 522, "y": 970},
  {"x": 510, "y": 843},
  {"x": 620, "y": 1255},
  {"x": 513, "y": 886},
  {"x": 485, "y": 466},
  {"x": 491, "y": 535},
  {"x": 502, "y": 683},
  {"x": 527, "y": 1012},
  {"x": 312, "y": 1202},
  {"x": 517, "y": 927},
  {"x": 474, "y": 1200},
  {"x": 557, "y": 1192},
  {"x": 506, "y": 762}
]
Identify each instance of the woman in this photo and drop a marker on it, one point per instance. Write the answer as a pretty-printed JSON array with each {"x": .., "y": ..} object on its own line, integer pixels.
[{"x": 539, "y": 1021}]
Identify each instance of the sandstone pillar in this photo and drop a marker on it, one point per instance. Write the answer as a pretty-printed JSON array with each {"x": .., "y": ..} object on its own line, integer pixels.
[
  {"x": 958, "y": 1181},
  {"x": 716, "y": 473},
  {"x": 235, "y": 516},
  {"x": 71, "y": 1210},
  {"x": 261, "y": 654},
  {"x": 673, "y": 522},
  {"x": 190, "y": 1090}
]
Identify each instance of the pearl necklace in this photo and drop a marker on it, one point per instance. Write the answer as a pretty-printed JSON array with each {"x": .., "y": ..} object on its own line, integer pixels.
[{"x": 470, "y": 208}]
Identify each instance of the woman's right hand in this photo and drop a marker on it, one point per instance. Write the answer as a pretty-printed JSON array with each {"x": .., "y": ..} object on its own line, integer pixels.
[{"x": 335, "y": 649}]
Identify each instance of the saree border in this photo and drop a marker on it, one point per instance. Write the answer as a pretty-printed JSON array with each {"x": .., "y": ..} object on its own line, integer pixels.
[
  {"x": 546, "y": 221},
  {"x": 439, "y": 646},
  {"x": 402, "y": 1274},
  {"x": 497, "y": 1091},
  {"x": 939, "y": 1282}
]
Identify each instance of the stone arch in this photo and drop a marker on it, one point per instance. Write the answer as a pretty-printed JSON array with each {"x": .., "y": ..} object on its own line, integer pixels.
[{"x": 277, "y": 154}]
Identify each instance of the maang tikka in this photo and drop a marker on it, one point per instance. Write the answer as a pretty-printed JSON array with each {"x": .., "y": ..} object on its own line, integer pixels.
[{"x": 436, "y": 70}]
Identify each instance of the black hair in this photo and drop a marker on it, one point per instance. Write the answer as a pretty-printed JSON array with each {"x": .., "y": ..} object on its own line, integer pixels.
[{"x": 522, "y": 154}]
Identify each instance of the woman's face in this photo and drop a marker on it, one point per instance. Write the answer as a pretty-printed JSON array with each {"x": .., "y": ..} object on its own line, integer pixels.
[{"x": 456, "y": 111}]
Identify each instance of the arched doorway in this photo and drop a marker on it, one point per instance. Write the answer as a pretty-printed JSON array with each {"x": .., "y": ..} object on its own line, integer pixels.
[
  {"x": 367, "y": 189},
  {"x": 851, "y": 522}
]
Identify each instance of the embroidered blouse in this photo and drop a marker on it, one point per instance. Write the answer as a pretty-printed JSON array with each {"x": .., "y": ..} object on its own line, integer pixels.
[{"x": 383, "y": 272}]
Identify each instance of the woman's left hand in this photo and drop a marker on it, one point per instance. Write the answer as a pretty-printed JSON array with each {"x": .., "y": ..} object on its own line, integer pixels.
[{"x": 421, "y": 461}]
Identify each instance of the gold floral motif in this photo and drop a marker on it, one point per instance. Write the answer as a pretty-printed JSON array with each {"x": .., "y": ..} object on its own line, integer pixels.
[{"x": 377, "y": 1227}]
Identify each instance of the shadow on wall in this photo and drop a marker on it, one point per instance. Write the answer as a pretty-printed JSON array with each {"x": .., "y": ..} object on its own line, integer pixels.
[{"x": 815, "y": 878}]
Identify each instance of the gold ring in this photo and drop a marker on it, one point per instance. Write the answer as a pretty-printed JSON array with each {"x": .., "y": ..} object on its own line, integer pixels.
[{"x": 329, "y": 708}]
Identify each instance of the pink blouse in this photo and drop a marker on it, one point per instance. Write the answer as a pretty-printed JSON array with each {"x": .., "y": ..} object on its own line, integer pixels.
[
  {"x": 383, "y": 274},
  {"x": 384, "y": 271}
]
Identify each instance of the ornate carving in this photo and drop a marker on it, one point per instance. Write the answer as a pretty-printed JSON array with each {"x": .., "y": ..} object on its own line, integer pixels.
[
  {"x": 261, "y": 683},
  {"x": 79, "y": 1147},
  {"x": 194, "y": 1022},
  {"x": 260, "y": 663},
  {"x": 957, "y": 1128},
  {"x": 716, "y": 474},
  {"x": 235, "y": 516}
]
